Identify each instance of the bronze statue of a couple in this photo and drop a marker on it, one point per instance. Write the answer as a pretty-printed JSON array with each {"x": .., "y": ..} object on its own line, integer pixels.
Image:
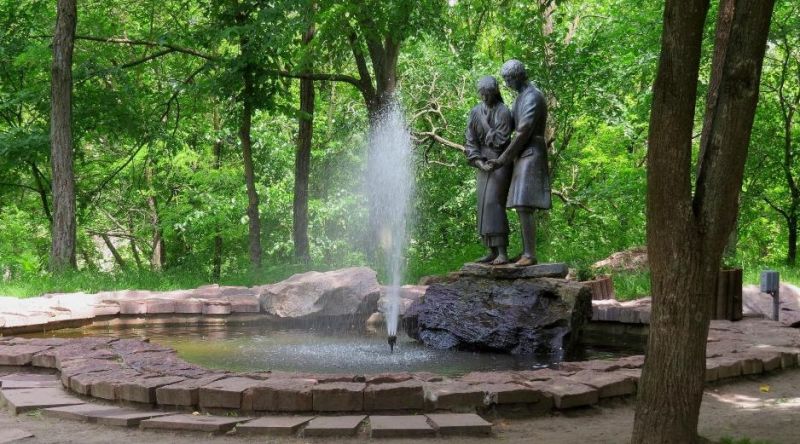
[{"x": 509, "y": 151}]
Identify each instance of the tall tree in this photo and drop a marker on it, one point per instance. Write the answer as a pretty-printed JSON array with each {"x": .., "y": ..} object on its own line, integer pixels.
[
  {"x": 687, "y": 231},
  {"x": 245, "y": 126},
  {"x": 302, "y": 160},
  {"x": 64, "y": 226},
  {"x": 782, "y": 84}
]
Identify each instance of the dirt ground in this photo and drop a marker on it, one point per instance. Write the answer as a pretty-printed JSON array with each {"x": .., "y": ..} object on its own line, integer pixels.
[{"x": 763, "y": 409}]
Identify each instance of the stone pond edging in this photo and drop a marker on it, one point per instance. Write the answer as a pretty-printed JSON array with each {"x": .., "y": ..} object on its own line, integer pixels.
[{"x": 133, "y": 371}]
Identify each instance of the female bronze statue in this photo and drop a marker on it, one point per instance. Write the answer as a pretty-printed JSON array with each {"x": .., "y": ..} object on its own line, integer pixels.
[{"x": 488, "y": 134}]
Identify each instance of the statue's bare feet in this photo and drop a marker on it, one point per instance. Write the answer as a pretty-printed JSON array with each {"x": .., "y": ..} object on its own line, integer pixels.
[
  {"x": 501, "y": 259},
  {"x": 525, "y": 261},
  {"x": 486, "y": 259}
]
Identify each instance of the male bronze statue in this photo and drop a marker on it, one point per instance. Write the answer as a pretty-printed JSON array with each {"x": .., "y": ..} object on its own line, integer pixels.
[
  {"x": 488, "y": 134},
  {"x": 530, "y": 181}
]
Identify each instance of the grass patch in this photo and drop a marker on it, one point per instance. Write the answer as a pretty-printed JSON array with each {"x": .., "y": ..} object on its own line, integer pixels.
[
  {"x": 172, "y": 279},
  {"x": 727, "y": 440},
  {"x": 631, "y": 285}
]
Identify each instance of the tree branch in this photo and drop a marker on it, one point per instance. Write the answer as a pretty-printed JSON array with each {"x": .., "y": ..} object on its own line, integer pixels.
[
  {"x": 323, "y": 77},
  {"x": 127, "y": 41},
  {"x": 776, "y": 208},
  {"x": 18, "y": 185},
  {"x": 433, "y": 136}
]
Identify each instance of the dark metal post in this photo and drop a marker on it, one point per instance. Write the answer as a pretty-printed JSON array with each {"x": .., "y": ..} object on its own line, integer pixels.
[{"x": 771, "y": 283}]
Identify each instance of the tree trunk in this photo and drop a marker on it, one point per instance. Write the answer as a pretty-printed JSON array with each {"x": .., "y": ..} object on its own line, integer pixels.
[
  {"x": 216, "y": 270},
  {"x": 114, "y": 252},
  {"x": 791, "y": 256},
  {"x": 254, "y": 236},
  {"x": 302, "y": 160},
  {"x": 64, "y": 226},
  {"x": 159, "y": 256},
  {"x": 42, "y": 192},
  {"x": 686, "y": 233}
]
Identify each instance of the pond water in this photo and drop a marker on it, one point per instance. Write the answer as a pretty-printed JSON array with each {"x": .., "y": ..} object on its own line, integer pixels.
[{"x": 321, "y": 350}]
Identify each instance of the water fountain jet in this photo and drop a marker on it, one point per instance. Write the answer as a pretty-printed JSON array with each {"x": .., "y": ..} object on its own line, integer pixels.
[{"x": 390, "y": 184}]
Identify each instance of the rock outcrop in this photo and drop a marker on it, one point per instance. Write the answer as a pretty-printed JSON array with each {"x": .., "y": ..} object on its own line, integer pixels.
[
  {"x": 485, "y": 313},
  {"x": 349, "y": 291}
]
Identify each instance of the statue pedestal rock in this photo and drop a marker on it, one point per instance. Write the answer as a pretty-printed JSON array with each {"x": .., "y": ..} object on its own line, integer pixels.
[{"x": 517, "y": 310}]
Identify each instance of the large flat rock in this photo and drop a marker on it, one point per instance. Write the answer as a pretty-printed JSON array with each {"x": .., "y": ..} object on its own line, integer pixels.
[{"x": 555, "y": 270}]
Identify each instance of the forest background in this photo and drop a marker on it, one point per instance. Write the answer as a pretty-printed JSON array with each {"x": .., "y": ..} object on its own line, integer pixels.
[{"x": 165, "y": 92}]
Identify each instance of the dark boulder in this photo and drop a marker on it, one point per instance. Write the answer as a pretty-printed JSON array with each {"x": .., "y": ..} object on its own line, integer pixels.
[{"x": 517, "y": 316}]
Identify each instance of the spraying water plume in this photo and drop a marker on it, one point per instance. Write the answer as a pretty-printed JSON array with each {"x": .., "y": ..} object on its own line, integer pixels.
[{"x": 390, "y": 182}]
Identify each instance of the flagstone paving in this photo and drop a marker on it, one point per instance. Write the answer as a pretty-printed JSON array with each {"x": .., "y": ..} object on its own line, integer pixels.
[
  {"x": 333, "y": 426},
  {"x": 274, "y": 425},
  {"x": 25, "y": 400},
  {"x": 400, "y": 426},
  {"x": 196, "y": 423}
]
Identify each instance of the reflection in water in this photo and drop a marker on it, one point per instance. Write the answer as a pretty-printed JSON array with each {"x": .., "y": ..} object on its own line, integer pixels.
[{"x": 263, "y": 347}]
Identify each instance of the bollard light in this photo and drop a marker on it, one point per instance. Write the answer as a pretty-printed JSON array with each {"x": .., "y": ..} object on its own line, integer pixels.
[{"x": 771, "y": 283}]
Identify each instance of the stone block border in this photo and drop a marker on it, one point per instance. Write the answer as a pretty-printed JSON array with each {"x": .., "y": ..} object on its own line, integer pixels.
[{"x": 136, "y": 372}]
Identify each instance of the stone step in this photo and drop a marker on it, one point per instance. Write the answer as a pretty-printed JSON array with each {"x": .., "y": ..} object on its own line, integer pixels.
[
  {"x": 24, "y": 400},
  {"x": 334, "y": 426},
  {"x": 460, "y": 424},
  {"x": 400, "y": 426},
  {"x": 198, "y": 423},
  {"x": 274, "y": 425}
]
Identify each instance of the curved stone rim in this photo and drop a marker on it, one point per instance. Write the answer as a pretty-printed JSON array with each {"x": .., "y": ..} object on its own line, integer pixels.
[{"x": 136, "y": 371}]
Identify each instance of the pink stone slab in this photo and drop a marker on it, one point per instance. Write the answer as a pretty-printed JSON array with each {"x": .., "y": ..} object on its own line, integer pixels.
[
  {"x": 25, "y": 400},
  {"x": 200, "y": 423},
  {"x": 400, "y": 426},
  {"x": 274, "y": 425},
  {"x": 460, "y": 424}
]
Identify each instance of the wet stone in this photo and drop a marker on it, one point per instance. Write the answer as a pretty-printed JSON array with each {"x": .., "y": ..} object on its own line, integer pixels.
[
  {"x": 331, "y": 426},
  {"x": 400, "y": 426},
  {"x": 460, "y": 424},
  {"x": 199, "y": 423},
  {"x": 225, "y": 393},
  {"x": 244, "y": 304},
  {"x": 185, "y": 393},
  {"x": 274, "y": 425},
  {"x": 189, "y": 306},
  {"x": 407, "y": 395},
  {"x": 159, "y": 306},
  {"x": 216, "y": 308},
  {"x": 280, "y": 395},
  {"x": 132, "y": 307},
  {"x": 25, "y": 400},
  {"x": 338, "y": 397}
]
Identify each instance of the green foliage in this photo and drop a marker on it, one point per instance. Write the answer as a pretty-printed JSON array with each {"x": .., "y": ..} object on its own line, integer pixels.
[{"x": 149, "y": 118}]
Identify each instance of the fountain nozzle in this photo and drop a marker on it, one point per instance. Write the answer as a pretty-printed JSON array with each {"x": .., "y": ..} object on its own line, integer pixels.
[{"x": 392, "y": 342}]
